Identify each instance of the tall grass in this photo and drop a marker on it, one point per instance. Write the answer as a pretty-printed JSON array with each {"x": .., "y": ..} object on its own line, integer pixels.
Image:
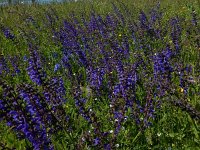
[{"x": 100, "y": 75}]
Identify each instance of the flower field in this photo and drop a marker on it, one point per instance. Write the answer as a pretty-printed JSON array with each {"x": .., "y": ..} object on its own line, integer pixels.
[{"x": 100, "y": 75}]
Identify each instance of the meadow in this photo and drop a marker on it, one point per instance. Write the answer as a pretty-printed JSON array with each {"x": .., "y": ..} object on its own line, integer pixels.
[{"x": 102, "y": 74}]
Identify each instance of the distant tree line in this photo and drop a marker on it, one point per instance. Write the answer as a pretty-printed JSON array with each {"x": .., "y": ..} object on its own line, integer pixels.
[
  {"x": 33, "y": 1},
  {"x": 10, "y": 1}
]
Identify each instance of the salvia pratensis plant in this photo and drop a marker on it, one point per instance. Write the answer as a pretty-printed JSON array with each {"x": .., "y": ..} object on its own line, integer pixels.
[
  {"x": 112, "y": 77},
  {"x": 8, "y": 33},
  {"x": 23, "y": 117},
  {"x": 176, "y": 34},
  {"x": 35, "y": 70}
]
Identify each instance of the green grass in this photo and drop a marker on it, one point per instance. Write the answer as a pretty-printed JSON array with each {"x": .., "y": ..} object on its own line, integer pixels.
[{"x": 173, "y": 128}]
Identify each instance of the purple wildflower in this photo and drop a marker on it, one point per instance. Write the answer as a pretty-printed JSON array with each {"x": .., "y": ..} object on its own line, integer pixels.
[
  {"x": 96, "y": 141},
  {"x": 34, "y": 69},
  {"x": 175, "y": 34},
  {"x": 8, "y": 34},
  {"x": 57, "y": 67}
]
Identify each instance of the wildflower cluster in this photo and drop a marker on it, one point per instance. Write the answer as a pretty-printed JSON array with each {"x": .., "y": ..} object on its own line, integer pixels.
[{"x": 109, "y": 77}]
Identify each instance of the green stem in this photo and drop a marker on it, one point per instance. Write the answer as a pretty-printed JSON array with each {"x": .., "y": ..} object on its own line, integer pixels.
[{"x": 139, "y": 133}]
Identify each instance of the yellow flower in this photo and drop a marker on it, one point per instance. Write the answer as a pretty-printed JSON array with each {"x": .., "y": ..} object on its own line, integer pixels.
[
  {"x": 181, "y": 90},
  {"x": 120, "y": 35},
  {"x": 66, "y": 106}
]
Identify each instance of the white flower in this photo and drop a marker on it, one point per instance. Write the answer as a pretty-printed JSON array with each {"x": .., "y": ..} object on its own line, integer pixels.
[
  {"x": 125, "y": 118},
  {"x": 158, "y": 134},
  {"x": 83, "y": 139}
]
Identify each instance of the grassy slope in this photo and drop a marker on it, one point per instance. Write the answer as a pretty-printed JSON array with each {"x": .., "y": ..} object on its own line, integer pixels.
[{"x": 175, "y": 134}]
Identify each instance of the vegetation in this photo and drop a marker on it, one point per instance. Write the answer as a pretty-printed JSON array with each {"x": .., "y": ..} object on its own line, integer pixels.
[{"x": 100, "y": 75}]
